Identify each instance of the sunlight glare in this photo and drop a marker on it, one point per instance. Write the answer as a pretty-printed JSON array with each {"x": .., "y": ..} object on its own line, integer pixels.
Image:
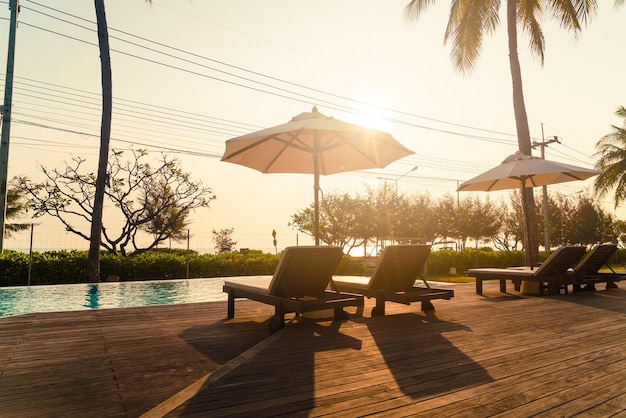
[{"x": 371, "y": 113}]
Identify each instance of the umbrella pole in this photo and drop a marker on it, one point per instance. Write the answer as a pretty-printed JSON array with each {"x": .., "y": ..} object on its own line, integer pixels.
[
  {"x": 526, "y": 223},
  {"x": 316, "y": 189}
]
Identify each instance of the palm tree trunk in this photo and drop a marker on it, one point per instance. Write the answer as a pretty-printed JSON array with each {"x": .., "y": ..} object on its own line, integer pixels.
[
  {"x": 93, "y": 263},
  {"x": 531, "y": 242}
]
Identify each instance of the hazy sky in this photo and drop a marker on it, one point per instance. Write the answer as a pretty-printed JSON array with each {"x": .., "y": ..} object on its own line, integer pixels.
[{"x": 188, "y": 75}]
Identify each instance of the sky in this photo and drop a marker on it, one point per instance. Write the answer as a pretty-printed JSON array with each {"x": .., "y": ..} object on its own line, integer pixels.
[{"x": 189, "y": 75}]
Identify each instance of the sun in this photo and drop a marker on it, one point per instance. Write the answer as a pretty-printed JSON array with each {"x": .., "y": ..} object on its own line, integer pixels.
[{"x": 372, "y": 112}]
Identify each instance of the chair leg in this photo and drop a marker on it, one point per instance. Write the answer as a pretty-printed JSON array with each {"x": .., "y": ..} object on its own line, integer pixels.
[
  {"x": 379, "y": 309},
  {"x": 276, "y": 323},
  {"x": 340, "y": 315},
  {"x": 553, "y": 288},
  {"x": 231, "y": 305},
  {"x": 427, "y": 305}
]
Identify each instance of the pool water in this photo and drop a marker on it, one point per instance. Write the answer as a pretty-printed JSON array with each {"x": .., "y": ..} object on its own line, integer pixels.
[{"x": 70, "y": 297}]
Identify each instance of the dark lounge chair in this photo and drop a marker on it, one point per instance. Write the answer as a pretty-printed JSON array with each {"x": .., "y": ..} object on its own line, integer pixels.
[
  {"x": 394, "y": 279},
  {"x": 553, "y": 271},
  {"x": 586, "y": 273},
  {"x": 299, "y": 285}
]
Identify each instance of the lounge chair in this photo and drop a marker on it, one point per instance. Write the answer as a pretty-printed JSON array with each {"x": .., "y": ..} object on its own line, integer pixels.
[
  {"x": 553, "y": 271},
  {"x": 394, "y": 279},
  {"x": 299, "y": 285},
  {"x": 586, "y": 273}
]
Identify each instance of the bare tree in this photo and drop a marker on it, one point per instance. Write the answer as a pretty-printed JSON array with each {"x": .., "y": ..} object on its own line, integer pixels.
[{"x": 156, "y": 200}]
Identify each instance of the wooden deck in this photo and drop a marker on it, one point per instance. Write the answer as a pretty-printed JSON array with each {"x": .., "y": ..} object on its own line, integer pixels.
[{"x": 495, "y": 354}]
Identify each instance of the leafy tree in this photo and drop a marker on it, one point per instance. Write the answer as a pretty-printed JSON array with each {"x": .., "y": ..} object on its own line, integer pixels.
[
  {"x": 365, "y": 222},
  {"x": 303, "y": 221},
  {"x": 16, "y": 207},
  {"x": 341, "y": 221},
  {"x": 568, "y": 213},
  {"x": 171, "y": 220},
  {"x": 471, "y": 20},
  {"x": 478, "y": 219},
  {"x": 511, "y": 233},
  {"x": 619, "y": 229},
  {"x": 447, "y": 217},
  {"x": 156, "y": 200},
  {"x": 223, "y": 240},
  {"x": 418, "y": 218},
  {"x": 608, "y": 230},
  {"x": 382, "y": 202},
  {"x": 587, "y": 224},
  {"x": 554, "y": 215},
  {"x": 611, "y": 155}
]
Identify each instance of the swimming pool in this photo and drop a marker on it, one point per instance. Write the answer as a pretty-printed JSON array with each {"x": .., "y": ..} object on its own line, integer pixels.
[{"x": 71, "y": 297}]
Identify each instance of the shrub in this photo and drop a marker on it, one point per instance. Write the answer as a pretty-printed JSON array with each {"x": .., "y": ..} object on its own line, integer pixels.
[{"x": 70, "y": 266}]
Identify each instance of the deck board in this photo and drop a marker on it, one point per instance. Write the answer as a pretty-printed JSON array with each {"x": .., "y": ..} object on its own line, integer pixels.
[{"x": 480, "y": 355}]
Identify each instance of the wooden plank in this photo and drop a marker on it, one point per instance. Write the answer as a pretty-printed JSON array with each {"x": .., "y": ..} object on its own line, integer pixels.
[
  {"x": 475, "y": 355},
  {"x": 366, "y": 377}
]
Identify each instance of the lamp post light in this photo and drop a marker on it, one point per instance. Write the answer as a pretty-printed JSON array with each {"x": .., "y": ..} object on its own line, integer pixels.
[{"x": 398, "y": 178}]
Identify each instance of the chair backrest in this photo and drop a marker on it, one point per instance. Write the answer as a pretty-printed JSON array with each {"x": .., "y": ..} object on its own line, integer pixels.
[
  {"x": 399, "y": 266},
  {"x": 562, "y": 259},
  {"x": 305, "y": 271},
  {"x": 595, "y": 259}
]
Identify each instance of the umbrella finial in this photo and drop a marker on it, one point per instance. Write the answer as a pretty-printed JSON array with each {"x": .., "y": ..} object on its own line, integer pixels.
[{"x": 315, "y": 109}]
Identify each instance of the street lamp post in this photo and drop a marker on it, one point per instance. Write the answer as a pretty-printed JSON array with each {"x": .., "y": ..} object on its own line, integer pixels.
[{"x": 398, "y": 178}]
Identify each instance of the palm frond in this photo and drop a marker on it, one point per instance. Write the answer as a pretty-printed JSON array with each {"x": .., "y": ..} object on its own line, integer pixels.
[
  {"x": 416, "y": 7},
  {"x": 611, "y": 161},
  {"x": 573, "y": 14},
  {"x": 469, "y": 22},
  {"x": 11, "y": 229},
  {"x": 528, "y": 13}
]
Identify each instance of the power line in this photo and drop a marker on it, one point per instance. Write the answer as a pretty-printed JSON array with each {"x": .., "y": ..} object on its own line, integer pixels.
[
  {"x": 313, "y": 100},
  {"x": 153, "y": 122}
]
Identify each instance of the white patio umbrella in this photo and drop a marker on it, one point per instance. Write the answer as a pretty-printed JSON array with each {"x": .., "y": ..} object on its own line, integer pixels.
[
  {"x": 313, "y": 143},
  {"x": 522, "y": 170}
]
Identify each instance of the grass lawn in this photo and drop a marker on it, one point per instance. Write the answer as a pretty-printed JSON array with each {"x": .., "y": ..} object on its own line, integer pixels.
[{"x": 451, "y": 278}]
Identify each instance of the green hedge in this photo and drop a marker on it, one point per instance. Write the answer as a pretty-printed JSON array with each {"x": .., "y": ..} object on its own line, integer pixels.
[{"x": 70, "y": 266}]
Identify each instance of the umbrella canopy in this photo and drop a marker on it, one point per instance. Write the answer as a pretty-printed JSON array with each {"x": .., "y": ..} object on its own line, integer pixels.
[
  {"x": 313, "y": 143},
  {"x": 532, "y": 171},
  {"x": 522, "y": 170}
]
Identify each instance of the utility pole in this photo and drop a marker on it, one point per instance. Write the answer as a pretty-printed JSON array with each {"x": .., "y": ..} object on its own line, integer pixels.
[
  {"x": 546, "y": 224},
  {"x": 6, "y": 119}
]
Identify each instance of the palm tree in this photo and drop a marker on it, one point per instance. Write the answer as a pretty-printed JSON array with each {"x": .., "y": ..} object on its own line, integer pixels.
[
  {"x": 611, "y": 154},
  {"x": 16, "y": 206},
  {"x": 471, "y": 20},
  {"x": 93, "y": 262}
]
